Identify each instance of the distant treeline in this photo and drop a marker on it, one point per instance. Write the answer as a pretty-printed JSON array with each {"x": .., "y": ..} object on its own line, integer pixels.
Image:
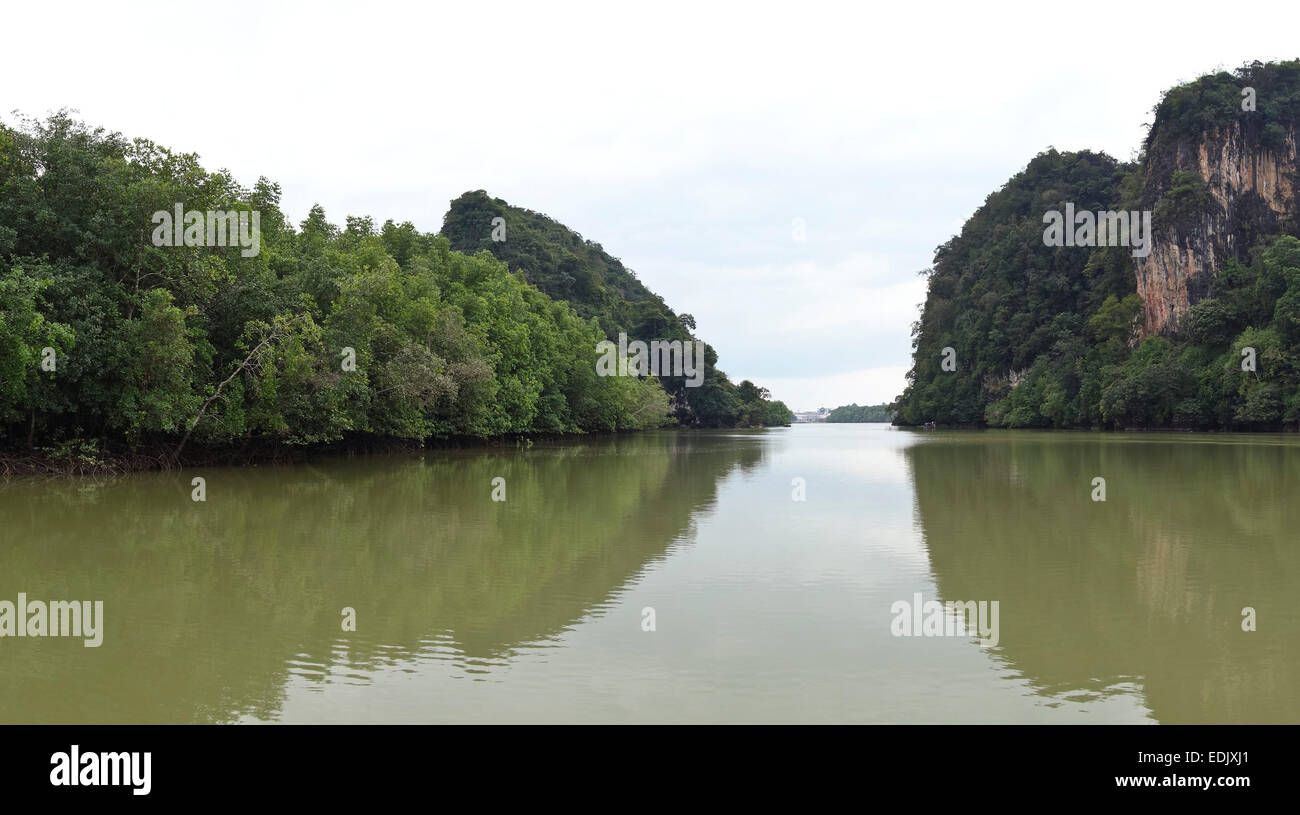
[{"x": 861, "y": 413}]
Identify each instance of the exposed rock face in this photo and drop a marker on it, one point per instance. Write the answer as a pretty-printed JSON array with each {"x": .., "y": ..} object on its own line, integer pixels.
[{"x": 1250, "y": 192}]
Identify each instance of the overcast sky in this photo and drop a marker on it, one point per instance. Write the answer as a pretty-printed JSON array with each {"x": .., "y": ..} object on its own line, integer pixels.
[{"x": 685, "y": 138}]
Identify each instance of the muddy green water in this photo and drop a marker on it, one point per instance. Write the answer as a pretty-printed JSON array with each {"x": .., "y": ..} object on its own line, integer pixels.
[{"x": 765, "y": 608}]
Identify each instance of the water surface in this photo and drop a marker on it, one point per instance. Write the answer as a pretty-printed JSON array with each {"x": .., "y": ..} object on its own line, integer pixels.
[{"x": 766, "y": 608}]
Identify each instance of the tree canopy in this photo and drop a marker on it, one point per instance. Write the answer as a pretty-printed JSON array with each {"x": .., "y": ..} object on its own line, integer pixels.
[
  {"x": 326, "y": 331},
  {"x": 568, "y": 267}
]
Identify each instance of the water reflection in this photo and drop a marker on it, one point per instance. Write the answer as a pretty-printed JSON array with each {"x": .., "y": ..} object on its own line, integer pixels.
[
  {"x": 1142, "y": 594},
  {"x": 211, "y": 607},
  {"x": 770, "y": 608}
]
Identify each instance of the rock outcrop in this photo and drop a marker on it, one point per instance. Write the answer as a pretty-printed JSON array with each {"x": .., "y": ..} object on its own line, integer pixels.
[{"x": 1212, "y": 198}]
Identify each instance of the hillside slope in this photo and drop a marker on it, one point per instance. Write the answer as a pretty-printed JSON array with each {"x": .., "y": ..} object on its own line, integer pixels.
[
  {"x": 1198, "y": 329},
  {"x": 566, "y": 266}
]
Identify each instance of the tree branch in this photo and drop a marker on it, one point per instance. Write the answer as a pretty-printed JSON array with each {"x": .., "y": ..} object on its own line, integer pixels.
[{"x": 266, "y": 341}]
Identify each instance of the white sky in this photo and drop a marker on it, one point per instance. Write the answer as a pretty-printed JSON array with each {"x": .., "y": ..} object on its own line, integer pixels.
[{"x": 684, "y": 137}]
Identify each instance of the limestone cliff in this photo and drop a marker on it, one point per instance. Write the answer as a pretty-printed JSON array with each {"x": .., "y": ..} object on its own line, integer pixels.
[
  {"x": 1213, "y": 195},
  {"x": 1051, "y": 334}
]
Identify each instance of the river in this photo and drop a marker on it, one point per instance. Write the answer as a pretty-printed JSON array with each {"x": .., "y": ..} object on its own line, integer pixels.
[{"x": 677, "y": 576}]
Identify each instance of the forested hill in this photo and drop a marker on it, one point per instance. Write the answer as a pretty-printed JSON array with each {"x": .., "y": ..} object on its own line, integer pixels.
[
  {"x": 1199, "y": 328},
  {"x": 562, "y": 264},
  {"x": 855, "y": 413},
  {"x": 119, "y": 333},
  {"x": 568, "y": 267}
]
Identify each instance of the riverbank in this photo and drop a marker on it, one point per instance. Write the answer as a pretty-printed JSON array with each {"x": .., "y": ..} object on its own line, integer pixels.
[
  {"x": 88, "y": 458},
  {"x": 85, "y": 458},
  {"x": 1282, "y": 427}
]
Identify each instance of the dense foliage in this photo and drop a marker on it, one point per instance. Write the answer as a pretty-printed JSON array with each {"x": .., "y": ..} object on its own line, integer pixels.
[
  {"x": 1046, "y": 336},
  {"x": 568, "y": 267},
  {"x": 173, "y": 344},
  {"x": 1214, "y": 102},
  {"x": 1005, "y": 302},
  {"x": 860, "y": 413}
]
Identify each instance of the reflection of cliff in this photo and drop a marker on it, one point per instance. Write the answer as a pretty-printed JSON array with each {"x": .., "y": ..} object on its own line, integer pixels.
[
  {"x": 209, "y": 606},
  {"x": 1147, "y": 587}
]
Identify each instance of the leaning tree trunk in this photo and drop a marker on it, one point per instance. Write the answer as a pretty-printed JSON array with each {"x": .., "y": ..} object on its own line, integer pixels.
[{"x": 216, "y": 394}]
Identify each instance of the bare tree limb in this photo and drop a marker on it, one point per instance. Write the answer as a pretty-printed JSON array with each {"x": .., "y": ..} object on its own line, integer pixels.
[{"x": 248, "y": 360}]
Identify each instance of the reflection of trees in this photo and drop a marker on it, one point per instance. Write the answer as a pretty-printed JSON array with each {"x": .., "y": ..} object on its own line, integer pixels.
[
  {"x": 1149, "y": 585},
  {"x": 208, "y": 606}
]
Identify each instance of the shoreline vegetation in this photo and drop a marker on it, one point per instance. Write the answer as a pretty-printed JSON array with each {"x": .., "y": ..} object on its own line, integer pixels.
[
  {"x": 124, "y": 350},
  {"x": 1018, "y": 331},
  {"x": 83, "y": 459},
  {"x": 856, "y": 413}
]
